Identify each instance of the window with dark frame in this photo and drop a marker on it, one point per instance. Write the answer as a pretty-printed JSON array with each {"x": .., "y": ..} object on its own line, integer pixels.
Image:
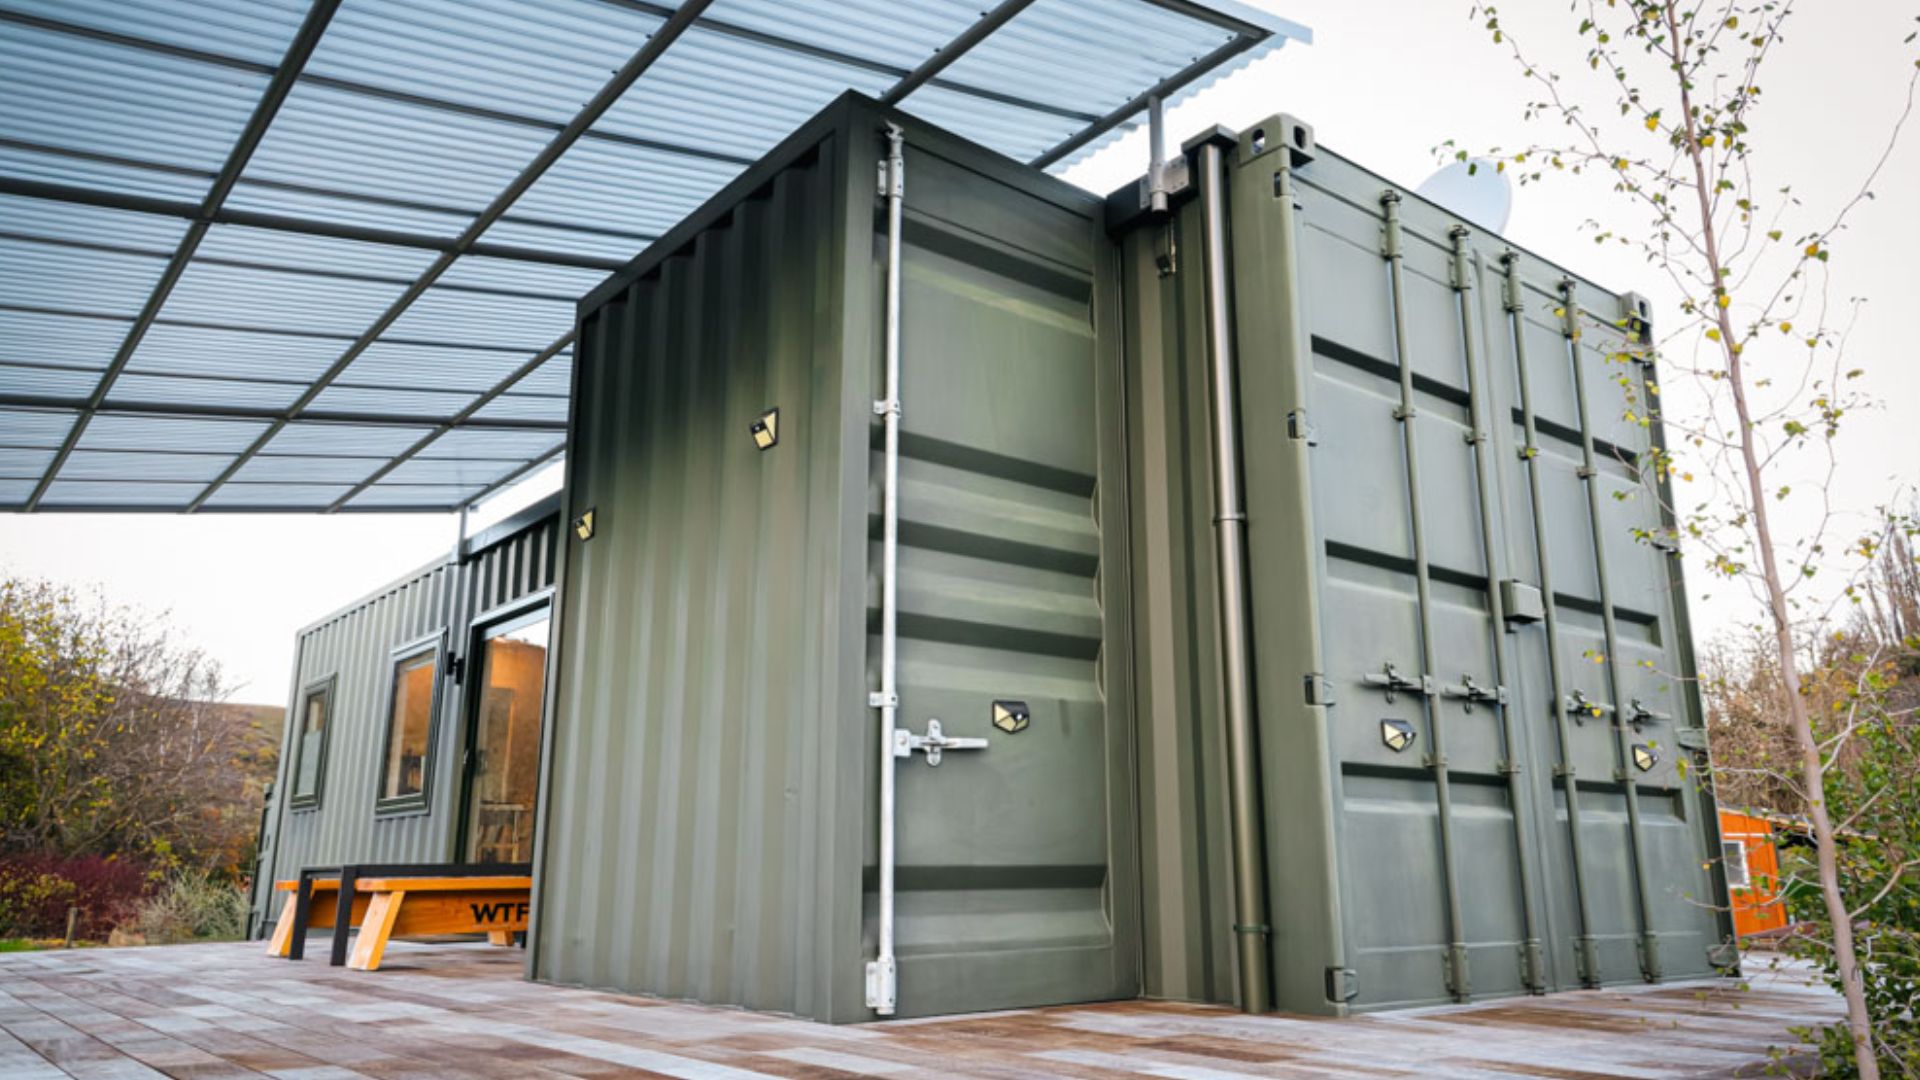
[
  {"x": 310, "y": 744},
  {"x": 409, "y": 742}
]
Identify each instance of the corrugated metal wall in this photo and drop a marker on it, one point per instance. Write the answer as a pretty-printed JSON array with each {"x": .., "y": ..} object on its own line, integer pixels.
[
  {"x": 354, "y": 646},
  {"x": 1443, "y": 870},
  {"x": 701, "y": 823},
  {"x": 711, "y": 822}
]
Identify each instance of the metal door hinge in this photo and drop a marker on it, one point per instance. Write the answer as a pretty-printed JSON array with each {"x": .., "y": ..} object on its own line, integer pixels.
[
  {"x": 883, "y": 986},
  {"x": 1691, "y": 738},
  {"x": 933, "y": 743},
  {"x": 880, "y": 699},
  {"x": 1724, "y": 958},
  {"x": 1166, "y": 250},
  {"x": 1390, "y": 679},
  {"x": 1319, "y": 689},
  {"x": 1298, "y": 427},
  {"x": 456, "y": 668},
  {"x": 1343, "y": 984}
]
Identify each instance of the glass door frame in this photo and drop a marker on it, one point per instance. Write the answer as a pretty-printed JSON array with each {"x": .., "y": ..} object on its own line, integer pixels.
[{"x": 490, "y": 624}]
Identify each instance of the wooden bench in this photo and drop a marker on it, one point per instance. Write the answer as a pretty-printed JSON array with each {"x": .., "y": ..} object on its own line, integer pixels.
[{"x": 400, "y": 900}]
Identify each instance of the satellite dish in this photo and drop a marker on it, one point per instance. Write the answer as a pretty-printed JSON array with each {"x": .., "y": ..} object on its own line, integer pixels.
[{"x": 1475, "y": 190}]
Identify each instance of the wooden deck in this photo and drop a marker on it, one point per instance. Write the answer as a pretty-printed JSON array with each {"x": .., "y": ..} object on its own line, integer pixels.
[{"x": 217, "y": 1011}]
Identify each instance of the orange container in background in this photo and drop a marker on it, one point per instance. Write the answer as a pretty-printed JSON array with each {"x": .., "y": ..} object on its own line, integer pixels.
[{"x": 1753, "y": 873}]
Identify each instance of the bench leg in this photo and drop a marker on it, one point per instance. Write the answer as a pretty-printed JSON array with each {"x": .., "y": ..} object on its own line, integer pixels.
[
  {"x": 375, "y": 928},
  {"x": 500, "y": 937},
  {"x": 282, "y": 941}
]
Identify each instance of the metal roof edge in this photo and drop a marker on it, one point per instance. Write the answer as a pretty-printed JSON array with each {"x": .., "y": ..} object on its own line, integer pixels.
[{"x": 1255, "y": 15}]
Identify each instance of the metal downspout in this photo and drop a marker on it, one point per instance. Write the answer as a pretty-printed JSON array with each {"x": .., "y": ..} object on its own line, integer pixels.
[
  {"x": 882, "y": 975},
  {"x": 1590, "y": 473},
  {"x": 1251, "y": 931},
  {"x": 1458, "y": 983},
  {"x": 1586, "y": 959},
  {"x": 1532, "y": 965}
]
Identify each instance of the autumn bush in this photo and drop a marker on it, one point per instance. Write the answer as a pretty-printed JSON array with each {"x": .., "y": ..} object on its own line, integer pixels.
[
  {"x": 192, "y": 906},
  {"x": 37, "y": 890}
]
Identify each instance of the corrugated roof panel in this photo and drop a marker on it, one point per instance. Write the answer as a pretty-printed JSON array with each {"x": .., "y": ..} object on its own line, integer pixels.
[
  {"x": 129, "y": 465},
  {"x": 437, "y": 404},
  {"x": 1114, "y": 49},
  {"x": 541, "y": 60},
  {"x": 78, "y": 93},
  {"x": 35, "y": 274},
  {"x": 517, "y": 275},
  {"x": 15, "y": 493},
  {"x": 254, "y": 30},
  {"x": 116, "y": 177},
  {"x": 121, "y": 431},
  {"x": 274, "y": 247},
  {"x": 741, "y": 97},
  {"x": 463, "y": 471},
  {"x": 484, "y": 443},
  {"x": 427, "y": 218},
  {"x": 134, "y": 494},
  {"x": 542, "y": 237},
  {"x": 524, "y": 407},
  {"x": 414, "y": 496},
  {"x": 51, "y": 220},
  {"x": 350, "y": 142},
  {"x": 386, "y": 363},
  {"x": 882, "y": 31},
  {"x": 37, "y": 337},
  {"x": 74, "y": 384},
  {"x": 20, "y": 463},
  {"x": 197, "y": 350},
  {"x": 277, "y": 299},
  {"x": 553, "y": 378},
  {"x": 465, "y": 318},
  {"x": 314, "y": 439},
  {"x": 134, "y": 388},
  {"x": 289, "y": 497},
  {"x": 598, "y": 184},
  {"x": 289, "y": 469},
  {"x": 34, "y": 427}
]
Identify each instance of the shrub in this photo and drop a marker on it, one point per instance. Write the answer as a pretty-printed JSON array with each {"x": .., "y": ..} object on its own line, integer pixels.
[
  {"x": 37, "y": 890},
  {"x": 193, "y": 907}
]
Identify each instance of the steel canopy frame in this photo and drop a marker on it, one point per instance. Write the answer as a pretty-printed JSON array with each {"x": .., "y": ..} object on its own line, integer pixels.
[{"x": 1248, "y": 28}]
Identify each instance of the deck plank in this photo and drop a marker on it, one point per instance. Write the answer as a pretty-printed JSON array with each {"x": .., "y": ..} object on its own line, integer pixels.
[{"x": 212, "y": 1012}]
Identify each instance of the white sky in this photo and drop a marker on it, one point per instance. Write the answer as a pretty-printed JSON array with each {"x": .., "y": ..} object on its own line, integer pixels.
[{"x": 1382, "y": 84}]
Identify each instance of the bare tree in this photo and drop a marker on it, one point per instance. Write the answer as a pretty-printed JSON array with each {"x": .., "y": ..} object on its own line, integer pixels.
[{"x": 1758, "y": 334}]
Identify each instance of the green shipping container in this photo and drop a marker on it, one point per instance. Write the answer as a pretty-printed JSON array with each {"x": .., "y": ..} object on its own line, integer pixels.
[
  {"x": 1267, "y": 618},
  {"x": 712, "y": 814},
  {"x": 1469, "y": 685}
]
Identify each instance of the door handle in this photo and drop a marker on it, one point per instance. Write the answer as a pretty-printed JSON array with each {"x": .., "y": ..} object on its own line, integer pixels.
[{"x": 933, "y": 743}]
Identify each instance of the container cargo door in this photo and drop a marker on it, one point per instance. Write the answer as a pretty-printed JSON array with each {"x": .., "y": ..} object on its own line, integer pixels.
[{"x": 1013, "y": 862}]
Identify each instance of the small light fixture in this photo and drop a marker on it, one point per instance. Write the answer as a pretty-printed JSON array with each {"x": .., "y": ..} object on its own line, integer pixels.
[
  {"x": 583, "y": 526},
  {"x": 1397, "y": 734},
  {"x": 1011, "y": 716},
  {"x": 766, "y": 430},
  {"x": 1645, "y": 757}
]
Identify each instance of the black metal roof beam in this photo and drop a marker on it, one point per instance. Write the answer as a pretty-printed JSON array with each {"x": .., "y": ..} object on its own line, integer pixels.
[
  {"x": 458, "y": 418},
  {"x": 241, "y": 412},
  {"x": 629, "y": 73},
  {"x": 282, "y": 268},
  {"x": 144, "y": 204},
  {"x": 1164, "y": 88},
  {"x": 299, "y": 51},
  {"x": 955, "y": 49},
  {"x": 821, "y": 52}
]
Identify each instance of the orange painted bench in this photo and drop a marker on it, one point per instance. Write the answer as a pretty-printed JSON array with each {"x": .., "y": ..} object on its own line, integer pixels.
[{"x": 388, "y": 907}]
